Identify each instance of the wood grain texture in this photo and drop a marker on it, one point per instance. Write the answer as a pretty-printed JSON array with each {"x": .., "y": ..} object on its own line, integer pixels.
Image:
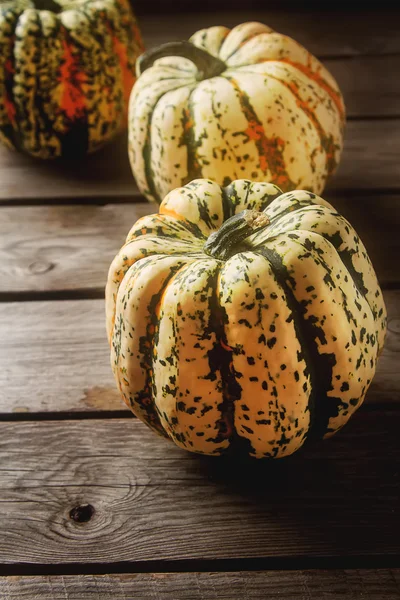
[
  {"x": 55, "y": 358},
  {"x": 367, "y": 85},
  {"x": 324, "y": 33},
  {"x": 376, "y": 584},
  {"x": 152, "y": 501},
  {"x": 69, "y": 248},
  {"x": 370, "y": 157},
  {"x": 59, "y": 248},
  {"x": 370, "y": 160}
]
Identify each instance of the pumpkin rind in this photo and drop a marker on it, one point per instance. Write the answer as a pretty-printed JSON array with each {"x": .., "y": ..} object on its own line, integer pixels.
[
  {"x": 261, "y": 350},
  {"x": 65, "y": 76},
  {"x": 274, "y": 114}
]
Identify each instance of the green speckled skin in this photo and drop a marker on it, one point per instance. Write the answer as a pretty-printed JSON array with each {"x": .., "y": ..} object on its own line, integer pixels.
[
  {"x": 65, "y": 74},
  {"x": 255, "y": 353}
]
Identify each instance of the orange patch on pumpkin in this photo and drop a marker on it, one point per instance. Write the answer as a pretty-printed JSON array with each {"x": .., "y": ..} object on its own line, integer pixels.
[
  {"x": 128, "y": 78},
  {"x": 270, "y": 152},
  {"x": 164, "y": 210},
  {"x": 319, "y": 80},
  {"x": 10, "y": 107},
  {"x": 72, "y": 99}
]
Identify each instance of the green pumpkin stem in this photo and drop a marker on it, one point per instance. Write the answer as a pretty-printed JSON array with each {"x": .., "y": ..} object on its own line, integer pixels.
[
  {"x": 208, "y": 65},
  {"x": 49, "y": 5},
  {"x": 225, "y": 242}
]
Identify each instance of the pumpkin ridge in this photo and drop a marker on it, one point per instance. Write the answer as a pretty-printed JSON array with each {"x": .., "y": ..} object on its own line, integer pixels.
[
  {"x": 229, "y": 147},
  {"x": 152, "y": 335},
  {"x": 193, "y": 167},
  {"x": 71, "y": 79},
  {"x": 23, "y": 99},
  {"x": 319, "y": 374},
  {"x": 357, "y": 278},
  {"x": 183, "y": 406},
  {"x": 345, "y": 257},
  {"x": 188, "y": 225},
  {"x": 144, "y": 398},
  {"x": 238, "y": 48},
  {"x": 9, "y": 131},
  {"x": 270, "y": 149},
  {"x": 321, "y": 82},
  {"x": 326, "y": 140},
  {"x": 146, "y": 153},
  {"x": 231, "y": 390}
]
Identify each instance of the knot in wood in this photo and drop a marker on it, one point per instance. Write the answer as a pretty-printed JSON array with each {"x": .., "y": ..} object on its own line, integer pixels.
[
  {"x": 40, "y": 266},
  {"x": 82, "y": 513}
]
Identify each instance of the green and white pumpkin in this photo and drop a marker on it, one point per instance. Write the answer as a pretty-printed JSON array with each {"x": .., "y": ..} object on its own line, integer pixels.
[
  {"x": 244, "y": 318},
  {"x": 230, "y": 104}
]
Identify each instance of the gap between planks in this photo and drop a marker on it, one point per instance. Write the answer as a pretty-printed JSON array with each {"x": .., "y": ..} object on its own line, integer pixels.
[{"x": 270, "y": 567}]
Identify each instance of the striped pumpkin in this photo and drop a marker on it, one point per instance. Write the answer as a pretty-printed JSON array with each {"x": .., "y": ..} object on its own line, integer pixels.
[
  {"x": 66, "y": 71},
  {"x": 244, "y": 319},
  {"x": 229, "y": 104}
]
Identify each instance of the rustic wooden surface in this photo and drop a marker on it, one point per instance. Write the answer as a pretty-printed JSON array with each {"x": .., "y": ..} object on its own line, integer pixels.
[
  {"x": 93, "y": 505},
  {"x": 153, "y": 502},
  {"x": 376, "y": 584}
]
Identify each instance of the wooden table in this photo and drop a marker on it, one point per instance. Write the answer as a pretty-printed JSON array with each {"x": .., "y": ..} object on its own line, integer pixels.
[{"x": 93, "y": 506}]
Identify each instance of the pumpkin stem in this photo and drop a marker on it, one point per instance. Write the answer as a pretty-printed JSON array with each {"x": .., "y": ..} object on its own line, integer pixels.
[
  {"x": 222, "y": 244},
  {"x": 50, "y": 5},
  {"x": 208, "y": 65}
]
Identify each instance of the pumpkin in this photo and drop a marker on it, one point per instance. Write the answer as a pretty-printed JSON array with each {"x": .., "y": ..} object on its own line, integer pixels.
[
  {"x": 231, "y": 104},
  {"x": 243, "y": 319},
  {"x": 66, "y": 72}
]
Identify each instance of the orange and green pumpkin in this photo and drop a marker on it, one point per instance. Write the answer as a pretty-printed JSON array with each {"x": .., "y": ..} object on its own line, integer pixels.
[
  {"x": 231, "y": 104},
  {"x": 244, "y": 318},
  {"x": 66, "y": 71}
]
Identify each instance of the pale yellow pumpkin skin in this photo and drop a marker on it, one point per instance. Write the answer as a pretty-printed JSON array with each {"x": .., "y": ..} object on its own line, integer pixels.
[
  {"x": 273, "y": 114},
  {"x": 256, "y": 351}
]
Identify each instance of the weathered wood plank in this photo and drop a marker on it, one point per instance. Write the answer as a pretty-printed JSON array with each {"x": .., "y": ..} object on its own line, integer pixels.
[
  {"x": 105, "y": 174},
  {"x": 43, "y": 343},
  {"x": 64, "y": 248},
  {"x": 106, "y": 491},
  {"x": 370, "y": 160},
  {"x": 324, "y": 33},
  {"x": 55, "y": 357},
  {"x": 374, "y": 584},
  {"x": 367, "y": 86}
]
